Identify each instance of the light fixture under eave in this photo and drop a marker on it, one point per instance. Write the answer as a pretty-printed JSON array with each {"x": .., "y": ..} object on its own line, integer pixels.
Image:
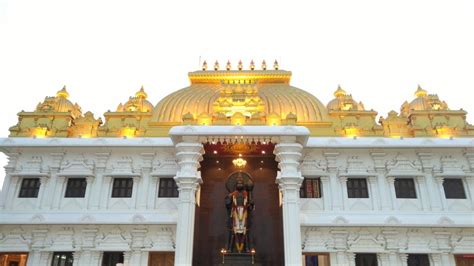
[{"x": 239, "y": 163}]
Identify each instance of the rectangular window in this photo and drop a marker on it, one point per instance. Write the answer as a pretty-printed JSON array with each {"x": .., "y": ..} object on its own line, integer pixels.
[
  {"x": 29, "y": 188},
  {"x": 310, "y": 188},
  {"x": 315, "y": 260},
  {"x": 454, "y": 188},
  {"x": 76, "y": 188},
  {"x": 112, "y": 258},
  {"x": 357, "y": 188},
  {"x": 168, "y": 188},
  {"x": 405, "y": 188},
  {"x": 62, "y": 259},
  {"x": 418, "y": 260},
  {"x": 366, "y": 259},
  {"x": 122, "y": 188}
]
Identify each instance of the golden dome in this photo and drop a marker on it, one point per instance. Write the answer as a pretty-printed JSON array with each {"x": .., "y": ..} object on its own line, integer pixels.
[
  {"x": 59, "y": 104},
  {"x": 244, "y": 91},
  {"x": 344, "y": 102},
  {"x": 424, "y": 102},
  {"x": 139, "y": 103}
]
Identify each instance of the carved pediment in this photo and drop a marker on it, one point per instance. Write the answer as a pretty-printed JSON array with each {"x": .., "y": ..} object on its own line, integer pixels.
[
  {"x": 450, "y": 166},
  {"x": 164, "y": 167},
  {"x": 14, "y": 241},
  {"x": 356, "y": 167},
  {"x": 365, "y": 241},
  {"x": 122, "y": 167},
  {"x": 402, "y": 166},
  {"x": 31, "y": 167},
  {"x": 314, "y": 167},
  {"x": 77, "y": 167},
  {"x": 114, "y": 240}
]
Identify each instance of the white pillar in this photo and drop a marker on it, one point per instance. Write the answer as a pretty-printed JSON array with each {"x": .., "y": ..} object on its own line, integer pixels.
[
  {"x": 331, "y": 158},
  {"x": 143, "y": 189},
  {"x": 326, "y": 193},
  {"x": 374, "y": 192},
  {"x": 5, "y": 189},
  {"x": 440, "y": 189},
  {"x": 403, "y": 259},
  {"x": 44, "y": 188},
  {"x": 380, "y": 169},
  {"x": 90, "y": 183},
  {"x": 12, "y": 192},
  {"x": 289, "y": 179},
  {"x": 189, "y": 154},
  {"x": 339, "y": 258},
  {"x": 76, "y": 258},
  {"x": 393, "y": 194},
  {"x": 470, "y": 189},
  {"x": 105, "y": 194},
  {"x": 135, "y": 190},
  {"x": 344, "y": 194},
  {"x": 425, "y": 201},
  {"x": 58, "y": 193}
]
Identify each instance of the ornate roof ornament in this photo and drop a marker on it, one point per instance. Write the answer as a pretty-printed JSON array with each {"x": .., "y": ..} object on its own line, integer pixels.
[
  {"x": 339, "y": 92},
  {"x": 216, "y": 66},
  {"x": 62, "y": 93},
  {"x": 420, "y": 92},
  {"x": 141, "y": 93},
  {"x": 228, "y": 65},
  {"x": 252, "y": 65},
  {"x": 240, "y": 66},
  {"x": 275, "y": 65},
  {"x": 264, "y": 65},
  {"x": 204, "y": 66}
]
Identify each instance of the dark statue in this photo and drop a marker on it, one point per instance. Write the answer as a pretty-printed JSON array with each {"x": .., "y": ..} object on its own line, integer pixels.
[{"x": 239, "y": 204}]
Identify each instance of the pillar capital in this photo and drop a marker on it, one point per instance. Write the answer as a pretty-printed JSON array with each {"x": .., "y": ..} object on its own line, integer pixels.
[{"x": 288, "y": 156}]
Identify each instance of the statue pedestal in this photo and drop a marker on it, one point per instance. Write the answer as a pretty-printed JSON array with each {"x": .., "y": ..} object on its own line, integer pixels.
[{"x": 238, "y": 259}]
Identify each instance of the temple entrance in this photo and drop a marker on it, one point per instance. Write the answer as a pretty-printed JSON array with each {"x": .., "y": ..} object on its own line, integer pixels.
[{"x": 266, "y": 237}]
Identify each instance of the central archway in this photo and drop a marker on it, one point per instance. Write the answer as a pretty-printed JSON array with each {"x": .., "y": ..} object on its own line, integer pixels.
[{"x": 211, "y": 216}]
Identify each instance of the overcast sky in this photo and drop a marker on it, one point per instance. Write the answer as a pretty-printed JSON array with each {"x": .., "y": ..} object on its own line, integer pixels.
[{"x": 105, "y": 50}]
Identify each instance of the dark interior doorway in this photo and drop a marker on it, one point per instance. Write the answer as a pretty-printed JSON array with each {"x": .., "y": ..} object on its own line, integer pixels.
[{"x": 210, "y": 220}]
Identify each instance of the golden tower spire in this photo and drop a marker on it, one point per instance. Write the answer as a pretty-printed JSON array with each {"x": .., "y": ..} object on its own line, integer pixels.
[
  {"x": 62, "y": 93},
  {"x": 240, "y": 66},
  {"x": 141, "y": 93},
  {"x": 339, "y": 91},
  {"x": 216, "y": 66},
  {"x": 228, "y": 66},
  {"x": 264, "y": 65},
  {"x": 420, "y": 92},
  {"x": 204, "y": 66}
]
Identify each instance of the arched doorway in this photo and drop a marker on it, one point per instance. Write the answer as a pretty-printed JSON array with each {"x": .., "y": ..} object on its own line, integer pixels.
[{"x": 211, "y": 215}]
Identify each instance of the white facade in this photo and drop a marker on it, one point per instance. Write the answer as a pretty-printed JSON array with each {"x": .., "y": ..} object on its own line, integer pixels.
[{"x": 333, "y": 224}]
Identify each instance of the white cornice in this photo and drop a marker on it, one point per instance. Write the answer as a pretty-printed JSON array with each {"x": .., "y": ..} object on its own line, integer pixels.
[
  {"x": 381, "y": 142},
  {"x": 301, "y": 134}
]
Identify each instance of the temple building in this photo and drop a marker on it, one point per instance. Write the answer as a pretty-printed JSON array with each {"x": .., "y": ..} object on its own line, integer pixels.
[{"x": 239, "y": 167}]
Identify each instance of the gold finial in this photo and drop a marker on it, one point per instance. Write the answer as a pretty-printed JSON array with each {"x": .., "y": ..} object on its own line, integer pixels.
[
  {"x": 62, "y": 93},
  {"x": 252, "y": 65},
  {"x": 204, "y": 66},
  {"x": 339, "y": 91},
  {"x": 240, "y": 66},
  {"x": 420, "y": 92},
  {"x": 275, "y": 65},
  {"x": 228, "y": 66},
  {"x": 264, "y": 65},
  {"x": 141, "y": 93},
  {"x": 216, "y": 66}
]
